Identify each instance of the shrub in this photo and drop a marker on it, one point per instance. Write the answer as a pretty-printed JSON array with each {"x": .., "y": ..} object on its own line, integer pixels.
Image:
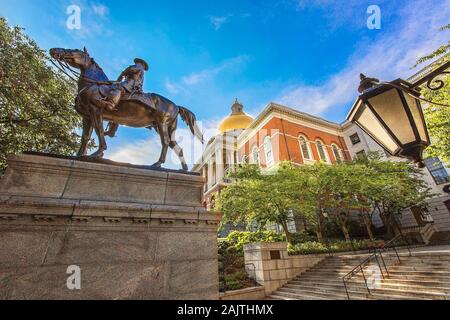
[
  {"x": 238, "y": 239},
  {"x": 314, "y": 247},
  {"x": 303, "y": 236}
]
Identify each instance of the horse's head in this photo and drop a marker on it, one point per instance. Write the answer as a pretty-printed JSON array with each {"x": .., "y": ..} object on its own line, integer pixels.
[{"x": 79, "y": 59}]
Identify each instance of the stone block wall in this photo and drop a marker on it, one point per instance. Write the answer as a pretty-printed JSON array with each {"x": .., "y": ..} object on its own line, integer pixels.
[
  {"x": 271, "y": 266},
  {"x": 254, "y": 293},
  {"x": 133, "y": 233}
]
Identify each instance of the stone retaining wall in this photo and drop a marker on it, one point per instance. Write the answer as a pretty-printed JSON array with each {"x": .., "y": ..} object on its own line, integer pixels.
[
  {"x": 254, "y": 293},
  {"x": 271, "y": 266}
]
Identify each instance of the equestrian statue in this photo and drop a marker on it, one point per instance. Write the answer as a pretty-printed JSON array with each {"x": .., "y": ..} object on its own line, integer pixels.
[{"x": 121, "y": 102}]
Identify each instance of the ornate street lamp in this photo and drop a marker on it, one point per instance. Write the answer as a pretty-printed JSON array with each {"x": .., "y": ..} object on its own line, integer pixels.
[{"x": 391, "y": 113}]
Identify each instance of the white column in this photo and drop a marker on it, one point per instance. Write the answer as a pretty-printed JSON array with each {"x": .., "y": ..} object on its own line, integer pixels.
[
  {"x": 210, "y": 173},
  {"x": 219, "y": 164},
  {"x": 231, "y": 159}
]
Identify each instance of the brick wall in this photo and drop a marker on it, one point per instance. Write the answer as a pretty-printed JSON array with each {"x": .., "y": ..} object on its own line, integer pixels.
[{"x": 285, "y": 144}]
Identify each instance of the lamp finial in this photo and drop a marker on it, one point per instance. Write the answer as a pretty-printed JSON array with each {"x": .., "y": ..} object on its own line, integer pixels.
[{"x": 366, "y": 83}]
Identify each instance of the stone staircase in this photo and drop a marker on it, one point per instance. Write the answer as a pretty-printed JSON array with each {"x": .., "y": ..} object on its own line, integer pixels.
[{"x": 421, "y": 276}]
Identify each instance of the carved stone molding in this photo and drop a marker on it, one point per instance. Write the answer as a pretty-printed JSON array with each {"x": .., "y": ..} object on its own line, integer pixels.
[
  {"x": 142, "y": 220},
  {"x": 8, "y": 217},
  {"x": 81, "y": 219},
  {"x": 112, "y": 219},
  {"x": 166, "y": 221},
  {"x": 42, "y": 218}
]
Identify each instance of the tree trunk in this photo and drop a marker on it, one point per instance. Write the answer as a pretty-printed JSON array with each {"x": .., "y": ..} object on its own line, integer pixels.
[
  {"x": 387, "y": 224},
  {"x": 345, "y": 231},
  {"x": 319, "y": 230},
  {"x": 368, "y": 225},
  {"x": 286, "y": 232}
]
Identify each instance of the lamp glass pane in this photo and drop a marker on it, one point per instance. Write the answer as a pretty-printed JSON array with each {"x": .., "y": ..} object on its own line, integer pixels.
[
  {"x": 370, "y": 124},
  {"x": 390, "y": 108},
  {"x": 416, "y": 112}
]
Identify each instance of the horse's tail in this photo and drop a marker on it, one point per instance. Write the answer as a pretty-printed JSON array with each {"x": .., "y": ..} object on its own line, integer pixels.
[{"x": 189, "y": 118}]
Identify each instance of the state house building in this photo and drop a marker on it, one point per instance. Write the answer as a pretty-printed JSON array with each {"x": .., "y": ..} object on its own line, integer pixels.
[{"x": 281, "y": 133}]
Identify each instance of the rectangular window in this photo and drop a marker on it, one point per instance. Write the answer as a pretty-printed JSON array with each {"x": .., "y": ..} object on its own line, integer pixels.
[
  {"x": 361, "y": 153},
  {"x": 437, "y": 170},
  {"x": 354, "y": 138}
]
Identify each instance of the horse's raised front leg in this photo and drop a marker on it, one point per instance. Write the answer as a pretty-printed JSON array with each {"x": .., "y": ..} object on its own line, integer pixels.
[
  {"x": 97, "y": 123},
  {"x": 165, "y": 141},
  {"x": 85, "y": 137}
]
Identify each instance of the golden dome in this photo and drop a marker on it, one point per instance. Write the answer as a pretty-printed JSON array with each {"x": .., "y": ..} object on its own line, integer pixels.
[{"x": 237, "y": 120}]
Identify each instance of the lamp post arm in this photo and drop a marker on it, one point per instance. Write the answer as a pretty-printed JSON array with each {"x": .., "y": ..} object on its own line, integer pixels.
[{"x": 431, "y": 76}]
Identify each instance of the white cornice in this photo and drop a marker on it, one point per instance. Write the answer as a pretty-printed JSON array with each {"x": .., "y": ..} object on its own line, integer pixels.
[{"x": 276, "y": 110}]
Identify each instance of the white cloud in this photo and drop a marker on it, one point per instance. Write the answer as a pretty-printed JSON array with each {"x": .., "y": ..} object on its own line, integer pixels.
[
  {"x": 217, "y": 22},
  {"x": 198, "y": 77},
  {"x": 147, "y": 151},
  {"x": 389, "y": 57}
]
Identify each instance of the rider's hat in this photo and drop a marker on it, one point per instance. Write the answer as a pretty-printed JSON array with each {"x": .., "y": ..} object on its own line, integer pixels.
[{"x": 138, "y": 60}]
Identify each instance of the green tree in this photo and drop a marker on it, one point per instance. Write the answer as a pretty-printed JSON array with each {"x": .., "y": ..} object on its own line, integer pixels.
[
  {"x": 366, "y": 185},
  {"x": 261, "y": 198},
  {"x": 438, "y": 117},
  {"x": 390, "y": 187},
  {"x": 36, "y": 103},
  {"x": 438, "y": 121}
]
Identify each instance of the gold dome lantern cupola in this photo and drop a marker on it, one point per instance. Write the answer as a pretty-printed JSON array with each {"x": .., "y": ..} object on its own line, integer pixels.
[{"x": 237, "y": 120}]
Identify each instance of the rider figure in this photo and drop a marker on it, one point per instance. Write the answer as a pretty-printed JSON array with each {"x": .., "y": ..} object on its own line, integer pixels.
[
  {"x": 134, "y": 77},
  {"x": 131, "y": 82}
]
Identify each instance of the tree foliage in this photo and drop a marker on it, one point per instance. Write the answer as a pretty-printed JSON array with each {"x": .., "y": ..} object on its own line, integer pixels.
[
  {"x": 36, "y": 103},
  {"x": 438, "y": 121},
  {"x": 319, "y": 192},
  {"x": 438, "y": 117},
  {"x": 259, "y": 198}
]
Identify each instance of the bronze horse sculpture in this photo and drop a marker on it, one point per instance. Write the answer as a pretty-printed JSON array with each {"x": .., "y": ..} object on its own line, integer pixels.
[{"x": 147, "y": 110}]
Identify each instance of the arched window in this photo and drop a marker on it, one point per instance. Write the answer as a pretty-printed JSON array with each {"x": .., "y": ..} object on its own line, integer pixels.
[
  {"x": 254, "y": 155},
  {"x": 337, "y": 153},
  {"x": 268, "y": 150},
  {"x": 305, "y": 148},
  {"x": 244, "y": 159},
  {"x": 322, "y": 150}
]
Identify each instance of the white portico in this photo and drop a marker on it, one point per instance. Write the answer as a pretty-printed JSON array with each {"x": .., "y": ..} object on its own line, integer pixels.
[{"x": 220, "y": 155}]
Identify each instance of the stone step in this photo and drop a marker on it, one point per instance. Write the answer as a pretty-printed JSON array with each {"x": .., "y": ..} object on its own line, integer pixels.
[
  {"x": 336, "y": 290},
  {"x": 338, "y": 295},
  {"x": 420, "y": 268},
  {"x": 426, "y": 272},
  {"x": 326, "y": 288},
  {"x": 422, "y": 275},
  {"x": 426, "y": 257},
  {"x": 361, "y": 287},
  {"x": 413, "y": 294},
  {"x": 360, "y": 282},
  {"x": 377, "y": 296},
  {"x": 341, "y": 273},
  {"x": 397, "y": 277},
  {"x": 285, "y": 296}
]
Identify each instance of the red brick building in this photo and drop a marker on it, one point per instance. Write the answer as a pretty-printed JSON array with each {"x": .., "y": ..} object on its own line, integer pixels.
[{"x": 280, "y": 133}]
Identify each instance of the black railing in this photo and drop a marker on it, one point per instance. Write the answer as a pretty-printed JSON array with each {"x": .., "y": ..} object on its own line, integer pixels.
[{"x": 377, "y": 255}]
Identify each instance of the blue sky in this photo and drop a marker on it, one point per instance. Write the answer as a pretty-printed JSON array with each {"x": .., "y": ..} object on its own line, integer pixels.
[{"x": 306, "y": 54}]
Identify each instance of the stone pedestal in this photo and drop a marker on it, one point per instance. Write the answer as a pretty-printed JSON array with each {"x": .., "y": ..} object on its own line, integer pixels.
[{"x": 134, "y": 233}]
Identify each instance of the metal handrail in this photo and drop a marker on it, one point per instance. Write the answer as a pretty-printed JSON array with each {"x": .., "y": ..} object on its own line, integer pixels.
[
  {"x": 359, "y": 268},
  {"x": 379, "y": 251}
]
